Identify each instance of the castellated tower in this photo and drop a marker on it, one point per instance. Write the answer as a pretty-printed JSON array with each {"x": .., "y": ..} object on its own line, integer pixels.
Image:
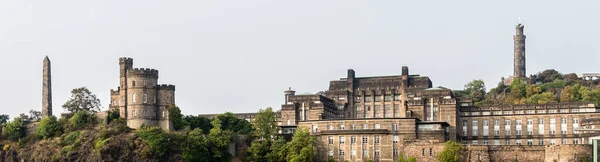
[
  {"x": 140, "y": 99},
  {"x": 519, "y": 38},
  {"x": 46, "y": 89}
]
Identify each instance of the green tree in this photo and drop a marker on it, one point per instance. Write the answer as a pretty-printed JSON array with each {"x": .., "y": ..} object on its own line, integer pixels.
[
  {"x": 157, "y": 140},
  {"x": 518, "y": 91},
  {"x": 532, "y": 89},
  {"x": 543, "y": 98},
  {"x": 3, "y": 119},
  {"x": 451, "y": 152},
  {"x": 82, "y": 99},
  {"x": 230, "y": 122},
  {"x": 412, "y": 159},
  {"x": 198, "y": 122},
  {"x": 48, "y": 127},
  {"x": 176, "y": 117},
  {"x": 196, "y": 147},
  {"x": 301, "y": 148},
  {"x": 278, "y": 151},
  {"x": 15, "y": 129},
  {"x": 218, "y": 139},
  {"x": 80, "y": 119},
  {"x": 476, "y": 90},
  {"x": 572, "y": 93},
  {"x": 265, "y": 130},
  {"x": 548, "y": 75}
]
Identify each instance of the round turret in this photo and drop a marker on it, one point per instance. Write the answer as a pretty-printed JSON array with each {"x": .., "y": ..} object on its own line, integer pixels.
[{"x": 142, "y": 97}]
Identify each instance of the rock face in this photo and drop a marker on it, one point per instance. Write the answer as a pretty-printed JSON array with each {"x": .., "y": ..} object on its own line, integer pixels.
[{"x": 46, "y": 89}]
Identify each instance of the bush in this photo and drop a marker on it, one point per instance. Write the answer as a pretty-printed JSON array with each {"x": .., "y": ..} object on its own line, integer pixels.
[
  {"x": 48, "y": 127},
  {"x": 450, "y": 152},
  {"x": 80, "y": 119},
  {"x": 156, "y": 139},
  {"x": 100, "y": 143},
  {"x": 70, "y": 138},
  {"x": 176, "y": 117},
  {"x": 15, "y": 129},
  {"x": 113, "y": 115},
  {"x": 412, "y": 159}
]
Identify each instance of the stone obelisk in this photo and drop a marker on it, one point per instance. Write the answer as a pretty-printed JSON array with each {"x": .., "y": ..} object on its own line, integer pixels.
[{"x": 46, "y": 89}]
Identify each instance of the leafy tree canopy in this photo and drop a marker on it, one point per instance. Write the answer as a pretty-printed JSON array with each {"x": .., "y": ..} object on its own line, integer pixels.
[{"x": 82, "y": 100}]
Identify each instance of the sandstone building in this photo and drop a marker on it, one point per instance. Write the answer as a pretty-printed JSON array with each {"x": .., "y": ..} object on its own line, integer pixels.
[
  {"x": 382, "y": 117},
  {"x": 140, "y": 99}
]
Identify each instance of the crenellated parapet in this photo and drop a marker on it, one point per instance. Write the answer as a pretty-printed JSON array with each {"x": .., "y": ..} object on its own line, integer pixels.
[
  {"x": 115, "y": 92},
  {"x": 143, "y": 72},
  {"x": 166, "y": 87}
]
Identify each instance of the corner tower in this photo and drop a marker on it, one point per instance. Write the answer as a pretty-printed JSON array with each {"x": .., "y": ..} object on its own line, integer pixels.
[
  {"x": 519, "y": 39},
  {"x": 46, "y": 89}
]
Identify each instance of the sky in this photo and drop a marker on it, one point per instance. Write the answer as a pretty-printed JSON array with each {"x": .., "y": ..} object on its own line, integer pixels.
[{"x": 240, "y": 56}]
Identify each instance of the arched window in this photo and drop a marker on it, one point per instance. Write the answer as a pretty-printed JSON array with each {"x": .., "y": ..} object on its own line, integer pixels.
[
  {"x": 145, "y": 98},
  {"x": 133, "y": 98}
]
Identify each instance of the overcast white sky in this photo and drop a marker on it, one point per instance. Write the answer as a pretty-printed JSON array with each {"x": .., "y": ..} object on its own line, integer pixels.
[{"x": 240, "y": 56}]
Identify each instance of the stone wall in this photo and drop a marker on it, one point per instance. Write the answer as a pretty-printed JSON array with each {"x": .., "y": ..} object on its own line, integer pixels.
[{"x": 560, "y": 153}]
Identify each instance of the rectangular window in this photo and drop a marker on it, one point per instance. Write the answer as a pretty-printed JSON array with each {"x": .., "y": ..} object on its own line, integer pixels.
[
  {"x": 353, "y": 139},
  {"x": 541, "y": 142},
  {"x": 395, "y": 138},
  {"x": 330, "y": 127},
  {"x": 475, "y": 142},
  {"x": 145, "y": 98},
  {"x": 485, "y": 142},
  {"x": 368, "y": 99},
  {"x": 342, "y": 127},
  {"x": 422, "y": 152},
  {"x": 342, "y": 140},
  {"x": 330, "y": 140},
  {"x": 377, "y": 126},
  {"x": 388, "y": 98},
  {"x": 563, "y": 141},
  {"x": 475, "y": 128},
  {"x": 341, "y": 153},
  {"x": 378, "y": 98},
  {"x": 430, "y": 152},
  {"x": 575, "y": 125},
  {"x": 395, "y": 152},
  {"x": 552, "y": 141},
  {"x": 365, "y": 139},
  {"x": 496, "y": 142},
  {"x": 358, "y": 107},
  {"x": 365, "y": 154},
  {"x": 540, "y": 126},
  {"x": 365, "y": 126},
  {"x": 376, "y": 138},
  {"x": 507, "y": 142},
  {"x": 529, "y": 142},
  {"x": 518, "y": 142},
  {"x": 394, "y": 126},
  {"x": 575, "y": 141},
  {"x": 353, "y": 153},
  {"x": 376, "y": 152},
  {"x": 396, "y": 97},
  {"x": 353, "y": 126}
]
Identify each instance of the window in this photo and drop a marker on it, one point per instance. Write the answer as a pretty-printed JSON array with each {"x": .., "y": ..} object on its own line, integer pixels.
[
  {"x": 507, "y": 142},
  {"x": 377, "y": 126},
  {"x": 133, "y": 112},
  {"x": 365, "y": 139},
  {"x": 315, "y": 128},
  {"x": 342, "y": 127},
  {"x": 133, "y": 98},
  {"x": 574, "y": 110},
  {"x": 353, "y": 139},
  {"x": 365, "y": 154},
  {"x": 563, "y": 141},
  {"x": 368, "y": 98},
  {"x": 358, "y": 107},
  {"x": 540, "y": 142},
  {"x": 541, "y": 126},
  {"x": 564, "y": 110},
  {"x": 368, "y": 107},
  {"x": 145, "y": 98},
  {"x": 329, "y": 127},
  {"x": 395, "y": 138},
  {"x": 496, "y": 142},
  {"x": 430, "y": 152},
  {"x": 475, "y": 127},
  {"x": 395, "y": 152},
  {"x": 376, "y": 152},
  {"x": 330, "y": 139},
  {"x": 155, "y": 97},
  {"x": 378, "y": 98},
  {"x": 423, "y": 152},
  {"x": 330, "y": 153},
  {"x": 518, "y": 142},
  {"x": 575, "y": 141},
  {"x": 133, "y": 83},
  {"x": 485, "y": 123},
  {"x": 376, "y": 138},
  {"x": 394, "y": 126},
  {"x": 388, "y": 98},
  {"x": 485, "y": 142},
  {"x": 475, "y": 142},
  {"x": 353, "y": 153},
  {"x": 552, "y": 126},
  {"x": 529, "y": 142},
  {"x": 342, "y": 140},
  {"x": 563, "y": 120},
  {"x": 575, "y": 125},
  {"x": 552, "y": 141},
  {"x": 341, "y": 153},
  {"x": 396, "y": 97},
  {"x": 353, "y": 126},
  {"x": 365, "y": 126}
]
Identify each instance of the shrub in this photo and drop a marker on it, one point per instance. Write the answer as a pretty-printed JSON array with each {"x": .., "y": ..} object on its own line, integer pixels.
[
  {"x": 156, "y": 139},
  {"x": 70, "y": 138},
  {"x": 450, "y": 152},
  {"x": 113, "y": 115},
  {"x": 412, "y": 159},
  {"x": 15, "y": 129},
  {"x": 80, "y": 119},
  {"x": 176, "y": 117},
  {"x": 100, "y": 143},
  {"x": 48, "y": 127},
  {"x": 6, "y": 147}
]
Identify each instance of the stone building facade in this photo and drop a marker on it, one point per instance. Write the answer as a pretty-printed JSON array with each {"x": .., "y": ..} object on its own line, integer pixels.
[
  {"x": 140, "y": 99},
  {"x": 380, "y": 118}
]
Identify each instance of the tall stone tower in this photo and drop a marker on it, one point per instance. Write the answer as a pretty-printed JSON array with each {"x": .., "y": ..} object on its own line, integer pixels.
[
  {"x": 519, "y": 38},
  {"x": 46, "y": 89}
]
